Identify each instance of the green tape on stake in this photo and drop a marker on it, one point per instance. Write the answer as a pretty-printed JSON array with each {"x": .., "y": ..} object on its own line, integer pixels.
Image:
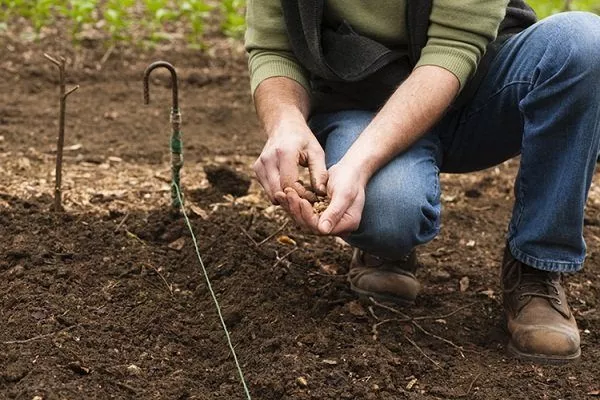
[{"x": 176, "y": 143}]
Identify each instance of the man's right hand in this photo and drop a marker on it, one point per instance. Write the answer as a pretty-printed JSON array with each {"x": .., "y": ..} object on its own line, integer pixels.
[{"x": 290, "y": 145}]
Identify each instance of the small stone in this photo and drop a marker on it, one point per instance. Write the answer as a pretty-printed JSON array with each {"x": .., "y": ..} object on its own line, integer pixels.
[
  {"x": 134, "y": 370},
  {"x": 464, "y": 284},
  {"x": 37, "y": 398},
  {"x": 115, "y": 159},
  {"x": 302, "y": 382},
  {"x": 329, "y": 362}
]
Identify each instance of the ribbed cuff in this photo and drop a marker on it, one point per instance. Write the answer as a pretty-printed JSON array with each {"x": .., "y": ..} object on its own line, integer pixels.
[
  {"x": 461, "y": 64},
  {"x": 265, "y": 67}
]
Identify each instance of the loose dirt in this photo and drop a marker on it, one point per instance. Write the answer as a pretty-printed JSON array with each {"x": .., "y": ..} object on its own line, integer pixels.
[{"x": 107, "y": 301}]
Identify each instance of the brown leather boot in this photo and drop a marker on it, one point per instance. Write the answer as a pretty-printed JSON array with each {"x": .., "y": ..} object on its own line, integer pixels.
[
  {"x": 541, "y": 325},
  {"x": 382, "y": 279}
]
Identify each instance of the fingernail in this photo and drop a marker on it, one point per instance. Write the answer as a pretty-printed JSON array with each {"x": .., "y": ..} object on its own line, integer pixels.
[{"x": 326, "y": 226}]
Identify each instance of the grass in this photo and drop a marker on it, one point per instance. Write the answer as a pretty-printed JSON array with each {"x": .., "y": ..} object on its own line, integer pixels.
[
  {"x": 124, "y": 20},
  {"x": 153, "y": 20}
]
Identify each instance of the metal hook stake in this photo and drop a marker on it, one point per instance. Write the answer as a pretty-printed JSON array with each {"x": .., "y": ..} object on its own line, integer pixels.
[
  {"x": 176, "y": 142},
  {"x": 169, "y": 66}
]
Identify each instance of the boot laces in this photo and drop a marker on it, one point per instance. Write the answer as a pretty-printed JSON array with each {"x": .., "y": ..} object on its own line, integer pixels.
[{"x": 530, "y": 282}]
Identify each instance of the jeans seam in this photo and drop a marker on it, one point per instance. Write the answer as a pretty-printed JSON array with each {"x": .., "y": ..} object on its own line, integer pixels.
[{"x": 497, "y": 92}]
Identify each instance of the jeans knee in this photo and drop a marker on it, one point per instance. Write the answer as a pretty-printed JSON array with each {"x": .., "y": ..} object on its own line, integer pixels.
[
  {"x": 576, "y": 37},
  {"x": 395, "y": 221}
]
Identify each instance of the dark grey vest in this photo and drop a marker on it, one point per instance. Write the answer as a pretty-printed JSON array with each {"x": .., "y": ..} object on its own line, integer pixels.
[{"x": 349, "y": 70}]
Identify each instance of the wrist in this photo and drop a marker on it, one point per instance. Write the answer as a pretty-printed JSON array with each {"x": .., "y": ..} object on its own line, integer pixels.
[
  {"x": 284, "y": 120},
  {"x": 355, "y": 168}
]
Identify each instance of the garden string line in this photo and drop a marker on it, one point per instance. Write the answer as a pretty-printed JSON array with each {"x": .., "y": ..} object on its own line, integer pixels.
[{"x": 212, "y": 293}]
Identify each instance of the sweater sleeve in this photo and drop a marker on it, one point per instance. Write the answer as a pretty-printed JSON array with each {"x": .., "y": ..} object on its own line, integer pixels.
[
  {"x": 459, "y": 32},
  {"x": 268, "y": 46}
]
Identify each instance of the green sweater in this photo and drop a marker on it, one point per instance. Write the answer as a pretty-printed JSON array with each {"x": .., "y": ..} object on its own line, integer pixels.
[{"x": 459, "y": 32}]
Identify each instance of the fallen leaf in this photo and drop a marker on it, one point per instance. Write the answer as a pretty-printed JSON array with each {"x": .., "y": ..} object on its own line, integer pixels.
[
  {"x": 286, "y": 240},
  {"x": 199, "y": 211},
  {"x": 177, "y": 244},
  {"x": 464, "y": 284},
  {"x": 356, "y": 309}
]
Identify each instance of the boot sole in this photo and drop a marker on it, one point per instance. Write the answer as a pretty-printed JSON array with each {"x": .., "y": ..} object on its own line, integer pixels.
[{"x": 542, "y": 358}]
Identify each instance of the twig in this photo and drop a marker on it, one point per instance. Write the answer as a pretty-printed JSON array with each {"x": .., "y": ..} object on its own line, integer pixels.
[
  {"x": 435, "y": 363},
  {"x": 282, "y": 258},
  {"x": 413, "y": 321},
  {"x": 60, "y": 63},
  {"x": 377, "y": 325},
  {"x": 445, "y": 315},
  {"x": 169, "y": 286},
  {"x": 248, "y": 236},
  {"x": 134, "y": 236},
  {"x": 68, "y": 328},
  {"x": 433, "y": 335},
  {"x": 471, "y": 385},
  {"x": 406, "y": 317},
  {"x": 122, "y": 222},
  {"x": 126, "y": 387},
  {"x": 271, "y": 236},
  {"x": 372, "y": 312}
]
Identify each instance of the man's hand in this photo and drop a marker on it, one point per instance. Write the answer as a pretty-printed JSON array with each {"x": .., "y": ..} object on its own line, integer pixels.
[
  {"x": 292, "y": 144},
  {"x": 346, "y": 189}
]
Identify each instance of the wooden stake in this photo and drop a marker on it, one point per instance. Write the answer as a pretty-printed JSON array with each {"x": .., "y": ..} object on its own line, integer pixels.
[{"x": 61, "y": 129}]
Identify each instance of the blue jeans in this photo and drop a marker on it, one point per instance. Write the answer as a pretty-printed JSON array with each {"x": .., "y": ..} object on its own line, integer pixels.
[{"x": 540, "y": 98}]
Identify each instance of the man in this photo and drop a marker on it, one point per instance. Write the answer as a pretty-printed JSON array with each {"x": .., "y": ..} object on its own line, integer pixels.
[{"x": 377, "y": 97}]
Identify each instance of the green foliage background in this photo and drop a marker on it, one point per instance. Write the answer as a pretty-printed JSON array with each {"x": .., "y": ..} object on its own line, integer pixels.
[
  {"x": 156, "y": 20},
  {"x": 548, "y": 7}
]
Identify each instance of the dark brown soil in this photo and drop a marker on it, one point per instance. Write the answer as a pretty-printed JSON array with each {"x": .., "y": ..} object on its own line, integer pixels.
[{"x": 108, "y": 300}]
